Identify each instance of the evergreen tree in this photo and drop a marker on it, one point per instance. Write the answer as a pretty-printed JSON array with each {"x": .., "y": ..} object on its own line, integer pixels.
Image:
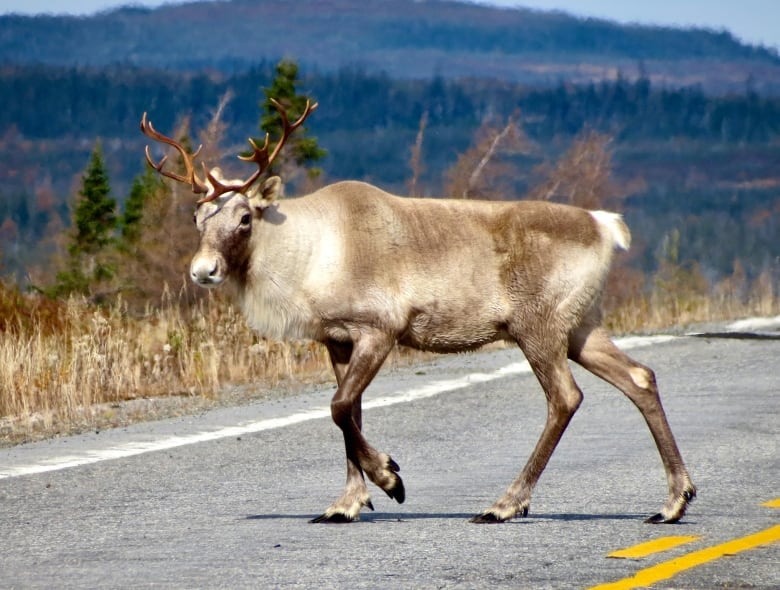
[
  {"x": 302, "y": 150},
  {"x": 94, "y": 225},
  {"x": 144, "y": 187},
  {"x": 94, "y": 216}
]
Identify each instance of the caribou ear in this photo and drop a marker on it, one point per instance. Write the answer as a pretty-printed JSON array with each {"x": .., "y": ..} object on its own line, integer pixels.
[{"x": 266, "y": 193}]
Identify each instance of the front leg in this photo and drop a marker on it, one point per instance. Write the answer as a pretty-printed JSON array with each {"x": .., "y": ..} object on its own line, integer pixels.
[
  {"x": 355, "y": 365},
  {"x": 347, "y": 507}
]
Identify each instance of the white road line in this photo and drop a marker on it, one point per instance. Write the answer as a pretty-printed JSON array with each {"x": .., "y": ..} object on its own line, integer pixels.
[
  {"x": 428, "y": 390},
  {"x": 749, "y": 324}
]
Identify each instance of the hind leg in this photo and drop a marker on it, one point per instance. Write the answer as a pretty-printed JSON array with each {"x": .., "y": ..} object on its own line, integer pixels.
[
  {"x": 563, "y": 398},
  {"x": 595, "y": 351}
]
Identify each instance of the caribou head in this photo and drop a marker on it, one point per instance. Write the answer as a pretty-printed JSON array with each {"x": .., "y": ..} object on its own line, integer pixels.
[{"x": 227, "y": 209}]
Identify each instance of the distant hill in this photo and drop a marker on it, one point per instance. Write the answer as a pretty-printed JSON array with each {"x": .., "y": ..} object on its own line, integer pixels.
[{"x": 404, "y": 38}]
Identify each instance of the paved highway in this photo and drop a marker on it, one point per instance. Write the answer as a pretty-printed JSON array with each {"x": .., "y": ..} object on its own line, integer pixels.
[{"x": 223, "y": 500}]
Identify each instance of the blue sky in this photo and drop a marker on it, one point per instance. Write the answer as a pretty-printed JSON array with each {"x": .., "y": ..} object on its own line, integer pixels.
[{"x": 754, "y": 21}]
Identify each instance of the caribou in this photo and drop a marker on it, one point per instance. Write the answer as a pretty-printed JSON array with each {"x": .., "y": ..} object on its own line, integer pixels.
[{"x": 360, "y": 271}]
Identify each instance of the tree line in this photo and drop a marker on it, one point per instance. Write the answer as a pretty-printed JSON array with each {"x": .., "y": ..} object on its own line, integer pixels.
[{"x": 106, "y": 102}]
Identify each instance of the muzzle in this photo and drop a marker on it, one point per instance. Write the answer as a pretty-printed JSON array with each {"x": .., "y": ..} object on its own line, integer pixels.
[{"x": 207, "y": 270}]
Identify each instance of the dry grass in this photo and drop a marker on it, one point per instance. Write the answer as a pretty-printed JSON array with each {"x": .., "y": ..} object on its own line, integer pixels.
[
  {"x": 59, "y": 379},
  {"x": 681, "y": 297},
  {"x": 72, "y": 366}
]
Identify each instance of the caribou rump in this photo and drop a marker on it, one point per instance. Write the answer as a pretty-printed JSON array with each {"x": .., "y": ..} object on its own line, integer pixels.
[{"x": 360, "y": 271}]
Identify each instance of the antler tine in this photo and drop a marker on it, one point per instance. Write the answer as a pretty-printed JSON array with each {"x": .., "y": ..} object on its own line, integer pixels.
[
  {"x": 260, "y": 155},
  {"x": 198, "y": 186},
  {"x": 158, "y": 166},
  {"x": 217, "y": 188},
  {"x": 288, "y": 128}
]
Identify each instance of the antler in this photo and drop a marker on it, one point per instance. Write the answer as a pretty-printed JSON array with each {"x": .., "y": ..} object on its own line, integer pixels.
[
  {"x": 198, "y": 186},
  {"x": 260, "y": 155}
]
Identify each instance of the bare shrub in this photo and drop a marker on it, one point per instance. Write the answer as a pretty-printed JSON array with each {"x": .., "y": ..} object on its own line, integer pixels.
[
  {"x": 582, "y": 176},
  {"x": 483, "y": 171},
  {"x": 416, "y": 159}
]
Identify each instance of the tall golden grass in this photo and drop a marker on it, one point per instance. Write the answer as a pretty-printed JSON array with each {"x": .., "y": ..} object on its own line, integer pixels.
[
  {"x": 64, "y": 365},
  {"x": 680, "y": 296},
  {"x": 58, "y": 369}
]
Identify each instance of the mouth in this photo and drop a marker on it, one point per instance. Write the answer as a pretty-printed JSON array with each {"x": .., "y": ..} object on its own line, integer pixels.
[{"x": 207, "y": 282}]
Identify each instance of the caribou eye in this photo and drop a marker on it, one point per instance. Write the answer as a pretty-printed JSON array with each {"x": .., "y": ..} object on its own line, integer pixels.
[{"x": 246, "y": 219}]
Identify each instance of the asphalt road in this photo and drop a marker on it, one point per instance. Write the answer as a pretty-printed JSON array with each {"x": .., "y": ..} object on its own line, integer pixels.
[{"x": 223, "y": 500}]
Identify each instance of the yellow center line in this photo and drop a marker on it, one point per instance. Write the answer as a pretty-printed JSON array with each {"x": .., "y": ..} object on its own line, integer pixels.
[
  {"x": 668, "y": 569},
  {"x": 654, "y": 546},
  {"x": 772, "y": 503}
]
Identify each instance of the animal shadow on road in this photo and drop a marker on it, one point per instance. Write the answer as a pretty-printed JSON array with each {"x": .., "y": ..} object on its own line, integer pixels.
[
  {"x": 372, "y": 517},
  {"x": 381, "y": 517}
]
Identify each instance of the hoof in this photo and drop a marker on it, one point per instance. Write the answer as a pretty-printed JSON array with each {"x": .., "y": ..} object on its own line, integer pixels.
[
  {"x": 397, "y": 492},
  {"x": 656, "y": 519},
  {"x": 687, "y": 496},
  {"x": 335, "y": 518},
  {"x": 661, "y": 519},
  {"x": 487, "y": 518},
  {"x": 497, "y": 515}
]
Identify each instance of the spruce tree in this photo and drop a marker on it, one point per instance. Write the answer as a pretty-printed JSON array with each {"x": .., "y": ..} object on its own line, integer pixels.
[
  {"x": 94, "y": 216},
  {"x": 94, "y": 225},
  {"x": 144, "y": 187},
  {"x": 302, "y": 150}
]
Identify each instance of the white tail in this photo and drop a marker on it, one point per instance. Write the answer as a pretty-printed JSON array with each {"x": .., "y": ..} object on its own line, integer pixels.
[{"x": 616, "y": 226}]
